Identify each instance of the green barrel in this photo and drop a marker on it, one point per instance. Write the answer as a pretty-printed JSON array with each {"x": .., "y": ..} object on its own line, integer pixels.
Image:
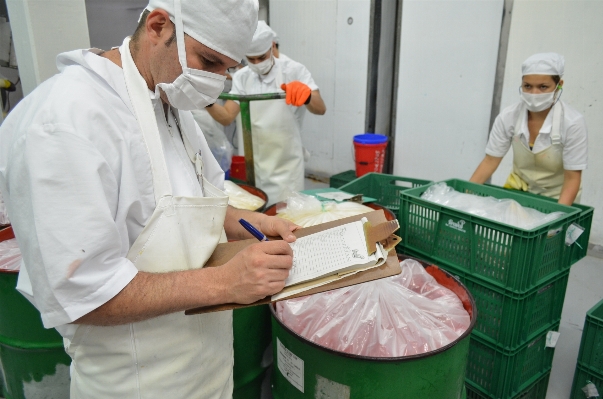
[
  {"x": 252, "y": 335},
  {"x": 303, "y": 369},
  {"x": 33, "y": 361}
]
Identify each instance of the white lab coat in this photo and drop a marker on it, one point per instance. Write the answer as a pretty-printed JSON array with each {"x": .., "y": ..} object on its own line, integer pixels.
[
  {"x": 173, "y": 355},
  {"x": 77, "y": 181}
]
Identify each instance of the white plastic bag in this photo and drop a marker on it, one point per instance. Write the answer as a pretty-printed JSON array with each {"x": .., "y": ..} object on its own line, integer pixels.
[
  {"x": 216, "y": 139},
  {"x": 306, "y": 210},
  {"x": 507, "y": 211},
  {"x": 403, "y": 315},
  {"x": 240, "y": 198},
  {"x": 10, "y": 255},
  {"x": 3, "y": 212}
]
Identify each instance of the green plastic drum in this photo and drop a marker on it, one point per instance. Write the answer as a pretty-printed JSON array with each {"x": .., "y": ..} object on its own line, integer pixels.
[
  {"x": 303, "y": 369},
  {"x": 35, "y": 373},
  {"x": 252, "y": 336},
  {"x": 33, "y": 361}
]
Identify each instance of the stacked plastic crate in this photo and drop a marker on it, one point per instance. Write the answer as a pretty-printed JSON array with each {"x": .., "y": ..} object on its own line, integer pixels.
[
  {"x": 342, "y": 178},
  {"x": 384, "y": 188},
  {"x": 517, "y": 277},
  {"x": 589, "y": 369}
]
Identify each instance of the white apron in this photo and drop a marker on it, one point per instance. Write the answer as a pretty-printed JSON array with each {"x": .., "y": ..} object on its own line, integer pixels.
[
  {"x": 277, "y": 146},
  {"x": 172, "y": 356},
  {"x": 542, "y": 172}
]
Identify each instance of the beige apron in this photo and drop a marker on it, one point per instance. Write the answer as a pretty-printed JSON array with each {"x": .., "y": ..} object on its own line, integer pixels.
[
  {"x": 172, "y": 356},
  {"x": 277, "y": 148},
  {"x": 542, "y": 172}
]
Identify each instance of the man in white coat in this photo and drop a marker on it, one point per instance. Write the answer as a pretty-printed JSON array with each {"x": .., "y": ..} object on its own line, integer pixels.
[
  {"x": 117, "y": 203},
  {"x": 275, "y": 124}
]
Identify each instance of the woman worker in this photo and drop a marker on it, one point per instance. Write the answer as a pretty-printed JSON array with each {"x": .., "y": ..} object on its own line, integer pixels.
[{"x": 549, "y": 137}]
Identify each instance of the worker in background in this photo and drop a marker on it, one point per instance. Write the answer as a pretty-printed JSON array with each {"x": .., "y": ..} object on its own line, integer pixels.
[
  {"x": 275, "y": 48},
  {"x": 117, "y": 203},
  {"x": 549, "y": 137},
  {"x": 275, "y": 124}
]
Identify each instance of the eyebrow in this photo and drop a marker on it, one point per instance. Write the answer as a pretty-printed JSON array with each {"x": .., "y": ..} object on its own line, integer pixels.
[{"x": 211, "y": 58}]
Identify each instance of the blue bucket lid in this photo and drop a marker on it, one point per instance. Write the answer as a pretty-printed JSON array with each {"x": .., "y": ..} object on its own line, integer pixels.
[{"x": 370, "y": 138}]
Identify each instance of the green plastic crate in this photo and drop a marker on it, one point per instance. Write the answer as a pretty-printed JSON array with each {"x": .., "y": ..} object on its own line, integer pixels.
[
  {"x": 585, "y": 220},
  {"x": 504, "y": 374},
  {"x": 535, "y": 391},
  {"x": 509, "y": 320},
  {"x": 591, "y": 347},
  {"x": 342, "y": 178},
  {"x": 385, "y": 188},
  {"x": 582, "y": 376},
  {"x": 499, "y": 254}
]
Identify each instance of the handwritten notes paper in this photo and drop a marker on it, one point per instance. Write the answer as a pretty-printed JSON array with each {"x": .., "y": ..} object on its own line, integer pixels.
[{"x": 329, "y": 255}]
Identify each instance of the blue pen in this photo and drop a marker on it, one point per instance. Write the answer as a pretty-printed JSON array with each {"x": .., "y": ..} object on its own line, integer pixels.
[{"x": 254, "y": 232}]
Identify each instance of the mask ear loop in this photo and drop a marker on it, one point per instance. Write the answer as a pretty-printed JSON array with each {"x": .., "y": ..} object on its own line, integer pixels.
[
  {"x": 179, "y": 27},
  {"x": 560, "y": 88}
]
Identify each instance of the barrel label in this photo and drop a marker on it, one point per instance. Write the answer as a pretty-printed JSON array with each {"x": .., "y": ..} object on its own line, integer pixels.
[{"x": 290, "y": 366}]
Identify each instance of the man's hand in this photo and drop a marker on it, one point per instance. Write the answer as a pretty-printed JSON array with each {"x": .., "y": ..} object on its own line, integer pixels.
[
  {"x": 278, "y": 227},
  {"x": 298, "y": 93},
  {"x": 269, "y": 225},
  {"x": 258, "y": 271}
]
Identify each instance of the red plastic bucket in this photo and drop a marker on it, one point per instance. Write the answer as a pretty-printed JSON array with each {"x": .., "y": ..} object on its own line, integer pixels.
[
  {"x": 237, "y": 168},
  {"x": 369, "y": 149}
]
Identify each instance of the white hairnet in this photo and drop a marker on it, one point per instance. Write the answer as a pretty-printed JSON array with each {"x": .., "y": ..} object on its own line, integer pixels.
[
  {"x": 543, "y": 64},
  {"x": 276, "y": 38},
  {"x": 262, "y": 40},
  {"x": 225, "y": 26}
]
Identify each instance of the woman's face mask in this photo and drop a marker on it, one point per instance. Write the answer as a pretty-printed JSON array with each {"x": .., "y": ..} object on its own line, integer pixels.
[
  {"x": 263, "y": 67},
  {"x": 538, "y": 102},
  {"x": 194, "y": 88}
]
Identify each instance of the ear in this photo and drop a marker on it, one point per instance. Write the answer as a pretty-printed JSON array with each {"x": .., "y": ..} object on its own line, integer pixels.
[
  {"x": 560, "y": 84},
  {"x": 159, "y": 27}
]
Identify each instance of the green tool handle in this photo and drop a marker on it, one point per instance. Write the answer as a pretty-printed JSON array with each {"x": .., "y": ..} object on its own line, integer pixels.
[{"x": 252, "y": 97}]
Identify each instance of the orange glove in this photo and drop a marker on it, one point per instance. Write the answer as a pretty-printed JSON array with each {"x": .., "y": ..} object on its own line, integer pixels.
[{"x": 298, "y": 93}]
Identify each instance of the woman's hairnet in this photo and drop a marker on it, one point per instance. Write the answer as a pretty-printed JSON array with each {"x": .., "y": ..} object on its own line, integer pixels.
[
  {"x": 262, "y": 40},
  {"x": 225, "y": 26},
  {"x": 544, "y": 64}
]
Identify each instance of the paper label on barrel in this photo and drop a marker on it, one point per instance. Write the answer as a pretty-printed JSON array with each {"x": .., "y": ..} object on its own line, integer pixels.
[{"x": 290, "y": 366}]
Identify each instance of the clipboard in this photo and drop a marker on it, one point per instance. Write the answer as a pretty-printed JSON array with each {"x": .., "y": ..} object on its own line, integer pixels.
[{"x": 379, "y": 230}]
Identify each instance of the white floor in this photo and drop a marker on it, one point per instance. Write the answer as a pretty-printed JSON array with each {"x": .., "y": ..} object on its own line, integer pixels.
[{"x": 584, "y": 290}]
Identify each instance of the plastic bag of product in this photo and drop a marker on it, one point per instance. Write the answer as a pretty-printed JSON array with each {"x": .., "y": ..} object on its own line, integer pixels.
[
  {"x": 402, "y": 315},
  {"x": 507, "y": 211},
  {"x": 240, "y": 198},
  {"x": 3, "y": 212},
  {"x": 10, "y": 255},
  {"x": 306, "y": 210},
  {"x": 216, "y": 139}
]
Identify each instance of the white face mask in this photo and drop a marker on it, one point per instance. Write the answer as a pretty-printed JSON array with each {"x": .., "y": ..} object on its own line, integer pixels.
[
  {"x": 262, "y": 68},
  {"x": 194, "y": 88},
  {"x": 538, "y": 102}
]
